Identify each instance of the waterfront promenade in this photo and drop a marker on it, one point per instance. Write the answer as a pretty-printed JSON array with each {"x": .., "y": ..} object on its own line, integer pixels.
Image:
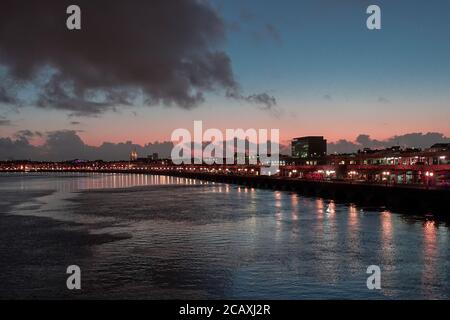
[{"x": 415, "y": 199}]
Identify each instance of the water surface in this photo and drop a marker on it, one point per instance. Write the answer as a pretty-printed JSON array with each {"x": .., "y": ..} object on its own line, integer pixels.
[{"x": 145, "y": 237}]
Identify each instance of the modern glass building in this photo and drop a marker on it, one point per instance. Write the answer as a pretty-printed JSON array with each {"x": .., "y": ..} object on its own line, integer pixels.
[{"x": 309, "y": 148}]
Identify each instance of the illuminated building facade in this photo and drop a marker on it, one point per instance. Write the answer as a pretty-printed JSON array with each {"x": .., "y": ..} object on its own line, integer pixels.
[{"x": 311, "y": 149}]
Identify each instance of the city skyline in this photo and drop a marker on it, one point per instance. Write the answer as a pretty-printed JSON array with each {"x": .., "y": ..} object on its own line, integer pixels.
[
  {"x": 68, "y": 145},
  {"x": 309, "y": 68}
]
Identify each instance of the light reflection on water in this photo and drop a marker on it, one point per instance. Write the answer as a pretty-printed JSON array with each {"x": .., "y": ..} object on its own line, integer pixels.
[
  {"x": 430, "y": 253},
  {"x": 70, "y": 182},
  {"x": 195, "y": 239}
]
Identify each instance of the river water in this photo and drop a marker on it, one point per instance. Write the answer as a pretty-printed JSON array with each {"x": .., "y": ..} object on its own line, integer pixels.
[{"x": 138, "y": 236}]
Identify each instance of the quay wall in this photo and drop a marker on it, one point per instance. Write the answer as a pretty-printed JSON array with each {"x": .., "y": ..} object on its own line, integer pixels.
[{"x": 401, "y": 198}]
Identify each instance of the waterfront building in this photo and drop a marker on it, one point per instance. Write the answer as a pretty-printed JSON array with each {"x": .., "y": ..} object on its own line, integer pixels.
[
  {"x": 440, "y": 147},
  {"x": 310, "y": 150}
]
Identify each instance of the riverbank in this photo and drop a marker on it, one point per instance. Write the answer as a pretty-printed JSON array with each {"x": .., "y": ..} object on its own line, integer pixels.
[{"x": 401, "y": 198}]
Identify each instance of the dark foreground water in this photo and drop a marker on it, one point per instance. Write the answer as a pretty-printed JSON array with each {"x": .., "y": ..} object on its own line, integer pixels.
[{"x": 150, "y": 237}]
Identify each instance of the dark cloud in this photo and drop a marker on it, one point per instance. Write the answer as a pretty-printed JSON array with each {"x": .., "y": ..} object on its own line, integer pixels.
[
  {"x": 74, "y": 123},
  {"x": 5, "y": 96},
  {"x": 67, "y": 145},
  {"x": 267, "y": 32},
  {"x": 383, "y": 100},
  {"x": 4, "y": 121},
  {"x": 328, "y": 97},
  {"x": 417, "y": 140},
  {"x": 343, "y": 146},
  {"x": 285, "y": 147},
  {"x": 168, "y": 52},
  {"x": 64, "y": 145},
  {"x": 28, "y": 134},
  {"x": 16, "y": 149},
  {"x": 263, "y": 100}
]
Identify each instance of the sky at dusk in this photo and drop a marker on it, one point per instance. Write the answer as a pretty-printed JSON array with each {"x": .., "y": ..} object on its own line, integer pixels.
[{"x": 307, "y": 67}]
